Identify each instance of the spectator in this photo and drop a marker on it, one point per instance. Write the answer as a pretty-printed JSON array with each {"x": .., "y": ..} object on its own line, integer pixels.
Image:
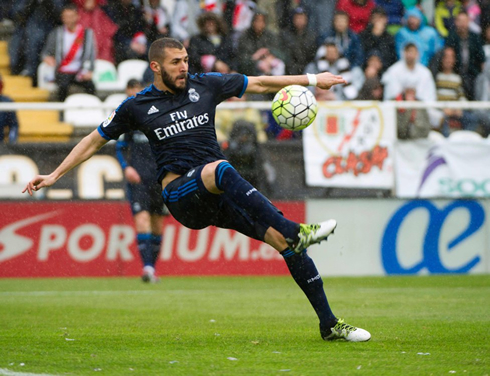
[
  {"x": 372, "y": 90},
  {"x": 212, "y": 48},
  {"x": 393, "y": 9},
  {"x": 485, "y": 13},
  {"x": 157, "y": 21},
  {"x": 347, "y": 41},
  {"x": 409, "y": 73},
  {"x": 486, "y": 44},
  {"x": 375, "y": 39},
  {"x": 257, "y": 53},
  {"x": 331, "y": 60},
  {"x": 33, "y": 21},
  {"x": 8, "y": 119},
  {"x": 449, "y": 86},
  {"x": 185, "y": 14},
  {"x": 359, "y": 12},
  {"x": 320, "y": 15},
  {"x": 426, "y": 39},
  {"x": 374, "y": 66},
  {"x": 71, "y": 49},
  {"x": 300, "y": 42},
  {"x": 474, "y": 12},
  {"x": 469, "y": 52},
  {"x": 93, "y": 17},
  {"x": 482, "y": 93},
  {"x": 130, "y": 41},
  {"x": 445, "y": 14},
  {"x": 411, "y": 123}
]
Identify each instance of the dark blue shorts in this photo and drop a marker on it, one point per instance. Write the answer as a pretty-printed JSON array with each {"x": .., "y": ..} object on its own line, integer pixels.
[
  {"x": 146, "y": 196},
  {"x": 195, "y": 207}
]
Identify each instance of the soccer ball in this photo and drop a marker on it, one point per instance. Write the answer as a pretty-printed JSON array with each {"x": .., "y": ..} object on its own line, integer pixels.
[{"x": 294, "y": 107}]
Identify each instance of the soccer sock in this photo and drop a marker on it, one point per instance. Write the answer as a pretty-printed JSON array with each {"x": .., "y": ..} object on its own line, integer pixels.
[
  {"x": 254, "y": 202},
  {"x": 305, "y": 273},
  {"x": 145, "y": 248},
  {"x": 156, "y": 242}
]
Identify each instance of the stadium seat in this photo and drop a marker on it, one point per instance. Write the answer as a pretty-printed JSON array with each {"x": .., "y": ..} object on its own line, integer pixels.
[
  {"x": 90, "y": 117},
  {"x": 45, "y": 77},
  {"x": 436, "y": 137},
  {"x": 114, "y": 100},
  {"x": 105, "y": 76},
  {"x": 464, "y": 135},
  {"x": 129, "y": 69}
]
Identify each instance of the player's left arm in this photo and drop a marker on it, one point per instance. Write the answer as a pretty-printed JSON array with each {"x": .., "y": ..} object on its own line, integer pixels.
[{"x": 271, "y": 84}]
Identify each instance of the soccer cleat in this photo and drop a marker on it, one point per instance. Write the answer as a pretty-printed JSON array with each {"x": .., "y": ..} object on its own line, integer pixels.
[
  {"x": 149, "y": 275},
  {"x": 313, "y": 234},
  {"x": 341, "y": 330}
]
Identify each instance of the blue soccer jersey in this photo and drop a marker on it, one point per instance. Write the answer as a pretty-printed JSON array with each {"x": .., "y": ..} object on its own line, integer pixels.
[{"x": 180, "y": 127}]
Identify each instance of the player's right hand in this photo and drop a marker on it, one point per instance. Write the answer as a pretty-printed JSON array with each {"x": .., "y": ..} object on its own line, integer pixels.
[
  {"x": 132, "y": 175},
  {"x": 39, "y": 181}
]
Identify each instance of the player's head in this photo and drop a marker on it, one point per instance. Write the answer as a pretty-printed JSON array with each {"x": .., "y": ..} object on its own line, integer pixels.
[
  {"x": 133, "y": 87},
  {"x": 169, "y": 62}
]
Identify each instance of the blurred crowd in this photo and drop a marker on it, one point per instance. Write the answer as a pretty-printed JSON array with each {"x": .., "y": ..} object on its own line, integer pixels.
[{"x": 408, "y": 50}]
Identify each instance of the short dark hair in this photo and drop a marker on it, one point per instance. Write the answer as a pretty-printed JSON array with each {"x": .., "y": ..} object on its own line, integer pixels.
[
  {"x": 341, "y": 13},
  {"x": 410, "y": 45},
  {"x": 132, "y": 83},
  {"x": 378, "y": 10},
  {"x": 72, "y": 7},
  {"x": 157, "y": 48}
]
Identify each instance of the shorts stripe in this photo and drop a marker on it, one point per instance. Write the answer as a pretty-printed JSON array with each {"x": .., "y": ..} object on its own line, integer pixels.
[{"x": 180, "y": 192}]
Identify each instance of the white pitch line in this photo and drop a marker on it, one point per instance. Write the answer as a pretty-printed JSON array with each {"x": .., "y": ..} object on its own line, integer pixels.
[
  {"x": 6, "y": 372},
  {"x": 75, "y": 293}
]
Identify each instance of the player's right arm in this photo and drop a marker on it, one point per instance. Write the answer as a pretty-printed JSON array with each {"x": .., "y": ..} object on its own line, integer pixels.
[{"x": 87, "y": 147}]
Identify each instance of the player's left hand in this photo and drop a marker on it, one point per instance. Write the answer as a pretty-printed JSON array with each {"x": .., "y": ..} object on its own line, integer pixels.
[{"x": 326, "y": 80}]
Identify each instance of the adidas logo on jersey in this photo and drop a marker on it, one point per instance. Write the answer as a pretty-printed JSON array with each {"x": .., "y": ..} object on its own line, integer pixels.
[{"x": 153, "y": 110}]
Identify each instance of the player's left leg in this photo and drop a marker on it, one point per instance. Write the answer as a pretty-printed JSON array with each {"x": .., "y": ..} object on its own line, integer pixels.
[{"x": 301, "y": 267}]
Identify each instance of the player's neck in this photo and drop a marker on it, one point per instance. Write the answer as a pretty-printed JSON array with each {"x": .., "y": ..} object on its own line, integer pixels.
[{"x": 162, "y": 87}]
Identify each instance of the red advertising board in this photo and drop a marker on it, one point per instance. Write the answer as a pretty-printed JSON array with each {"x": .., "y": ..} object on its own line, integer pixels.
[{"x": 75, "y": 239}]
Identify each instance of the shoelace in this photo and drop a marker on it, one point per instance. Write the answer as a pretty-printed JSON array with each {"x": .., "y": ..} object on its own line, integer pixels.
[
  {"x": 307, "y": 230},
  {"x": 341, "y": 326}
]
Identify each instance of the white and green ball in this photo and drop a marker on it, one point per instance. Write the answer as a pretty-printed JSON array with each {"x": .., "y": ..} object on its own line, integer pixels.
[{"x": 294, "y": 107}]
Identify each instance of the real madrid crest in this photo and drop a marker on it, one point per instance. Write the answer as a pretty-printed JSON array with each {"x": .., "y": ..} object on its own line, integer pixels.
[{"x": 193, "y": 95}]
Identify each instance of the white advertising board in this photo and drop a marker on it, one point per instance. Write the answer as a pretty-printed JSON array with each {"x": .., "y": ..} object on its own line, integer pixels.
[
  {"x": 445, "y": 169},
  {"x": 390, "y": 236},
  {"x": 350, "y": 144}
]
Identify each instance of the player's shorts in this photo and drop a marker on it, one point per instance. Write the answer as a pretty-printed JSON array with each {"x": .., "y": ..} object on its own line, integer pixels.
[
  {"x": 146, "y": 196},
  {"x": 195, "y": 207}
]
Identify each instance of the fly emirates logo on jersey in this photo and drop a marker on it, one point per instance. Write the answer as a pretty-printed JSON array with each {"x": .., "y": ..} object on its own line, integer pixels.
[{"x": 181, "y": 123}]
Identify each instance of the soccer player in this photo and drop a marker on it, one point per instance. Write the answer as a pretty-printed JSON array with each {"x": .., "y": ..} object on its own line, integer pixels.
[
  {"x": 200, "y": 188},
  {"x": 143, "y": 191}
]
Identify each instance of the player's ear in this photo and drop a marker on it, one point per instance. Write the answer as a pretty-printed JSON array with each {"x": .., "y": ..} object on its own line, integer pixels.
[{"x": 155, "y": 67}]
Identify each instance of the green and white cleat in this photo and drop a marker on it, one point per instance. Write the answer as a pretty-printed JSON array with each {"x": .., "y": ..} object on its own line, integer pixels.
[
  {"x": 350, "y": 333},
  {"x": 313, "y": 234}
]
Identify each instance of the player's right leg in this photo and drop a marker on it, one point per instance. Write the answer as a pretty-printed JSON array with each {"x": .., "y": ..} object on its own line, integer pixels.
[{"x": 220, "y": 177}]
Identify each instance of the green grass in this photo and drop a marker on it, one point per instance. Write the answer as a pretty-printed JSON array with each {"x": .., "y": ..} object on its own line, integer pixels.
[{"x": 120, "y": 326}]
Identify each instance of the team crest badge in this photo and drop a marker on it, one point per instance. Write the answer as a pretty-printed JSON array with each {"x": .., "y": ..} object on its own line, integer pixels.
[{"x": 193, "y": 95}]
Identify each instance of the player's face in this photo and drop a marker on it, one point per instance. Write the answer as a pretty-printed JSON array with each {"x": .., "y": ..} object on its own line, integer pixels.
[{"x": 174, "y": 69}]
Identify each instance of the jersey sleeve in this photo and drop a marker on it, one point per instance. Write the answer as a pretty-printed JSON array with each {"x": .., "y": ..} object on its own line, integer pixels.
[
  {"x": 118, "y": 122},
  {"x": 227, "y": 85}
]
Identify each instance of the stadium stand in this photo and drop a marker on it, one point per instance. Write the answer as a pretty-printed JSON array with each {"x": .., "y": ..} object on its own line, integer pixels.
[{"x": 34, "y": 126}]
